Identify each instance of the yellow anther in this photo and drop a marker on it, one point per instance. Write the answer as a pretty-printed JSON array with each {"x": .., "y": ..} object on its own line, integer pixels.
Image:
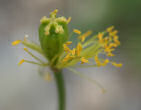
[
  {"x": 83, "y": 60},
  {"x": 117, "y": 42},
  {"x": 115, "y": 37},
  {"x": 25, "y": 49},
  {"x": 98, "y": 63},
  {"x": 47, "y": 77},
  {"x": 68, "y": 43},
  {"x": 67, "y": 57},
  {"x": 73, "y": 51},
  {"x": 100, "y": 37},
  {"x": 54, "y": 12},
  {"x": 113, "y": 33},
  {"x": 78, "y": 49},
  {"x": 77, "y": 31},
  {"x": 16, "y": 42},
  {"x": 116, "y": 65},
  {"x": 108, "y": 49},
  {"x": 96, "y": 58},
  {"x": 113, "y": 45},
  {"x": 110, "y": 54},
  {"x": 83, "y": 37},
  {"x": 21, "y": 62},
  {"x": 109, "y": 29},
  {"x": 69, "y": 20},
  {"x": 106, "y": 61},
  {"x": 66, "y": 48}
]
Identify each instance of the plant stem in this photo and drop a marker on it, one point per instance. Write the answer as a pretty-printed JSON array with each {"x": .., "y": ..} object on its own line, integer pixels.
[{"x": 61, "y": 89}]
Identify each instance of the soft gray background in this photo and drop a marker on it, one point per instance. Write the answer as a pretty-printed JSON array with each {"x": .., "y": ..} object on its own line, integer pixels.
[{"x": 21, "y": 88}]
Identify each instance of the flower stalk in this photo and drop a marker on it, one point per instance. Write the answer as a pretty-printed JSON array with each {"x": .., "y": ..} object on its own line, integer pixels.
[{"x": 61, "y": 89}]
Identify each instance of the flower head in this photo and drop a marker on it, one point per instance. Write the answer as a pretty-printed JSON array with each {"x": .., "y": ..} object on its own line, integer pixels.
[{"x": 60, "y": 52}]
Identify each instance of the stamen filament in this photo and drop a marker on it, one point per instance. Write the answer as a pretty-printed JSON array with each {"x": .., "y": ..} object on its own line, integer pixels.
[{"x": 33, "y": 56}]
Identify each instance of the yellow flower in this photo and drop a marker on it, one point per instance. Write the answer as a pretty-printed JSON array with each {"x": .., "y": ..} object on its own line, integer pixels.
[
  {"x": 21, "y": 62},
  {"x": 83, "y": 60},
  {"x": 104, "y": 43},
  {"x": 77, "y": 31},
  {"x": 16, "y": 42}
]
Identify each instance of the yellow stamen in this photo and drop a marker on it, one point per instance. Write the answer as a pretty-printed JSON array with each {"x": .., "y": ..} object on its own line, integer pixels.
[
  {"x": 78, "y": 49},
  {"x": 109, "y": 29},
  {"x": 83, "y": 37},
  {"x": 68, "y": 43},
  {"x": 73, "y": 51},
  {"x": 83, "y": 60},
  {"x": 16, "y": 42},
  {"x": 106, "y": 61},
  {"x": 54, "y": 12},
  {"x": 25, "y": 49},
  {"x": 115, "y": 37},
  {"x": 117, "y": 42},
  {"x": 66, "y": 48},
  {"x": 69, "y": 20},
  {"x": 21, "y": 62},
  {"x": 113, "y": 33},
  {"x": 116, "y": 65},
  {"x": 97, "y": 61},
  {"x": 108, "y": 49},
  {"x": 100, "y": 37},
  {"x": 110, "y": 54},
  {"x": 67, "y": 57},
  {"x": 112, "y": 45},
  {"x": 77, "y": 31}
]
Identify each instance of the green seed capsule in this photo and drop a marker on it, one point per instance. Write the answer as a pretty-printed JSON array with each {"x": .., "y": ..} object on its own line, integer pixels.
[{"x": 53, "y": 33}]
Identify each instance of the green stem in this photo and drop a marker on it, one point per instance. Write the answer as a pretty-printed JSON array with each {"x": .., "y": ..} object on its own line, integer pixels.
[{"x": 61, "y": 89}]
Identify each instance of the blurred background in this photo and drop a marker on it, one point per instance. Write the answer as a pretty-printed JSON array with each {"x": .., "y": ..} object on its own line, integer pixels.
[{"x": 21, "y": 88}]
